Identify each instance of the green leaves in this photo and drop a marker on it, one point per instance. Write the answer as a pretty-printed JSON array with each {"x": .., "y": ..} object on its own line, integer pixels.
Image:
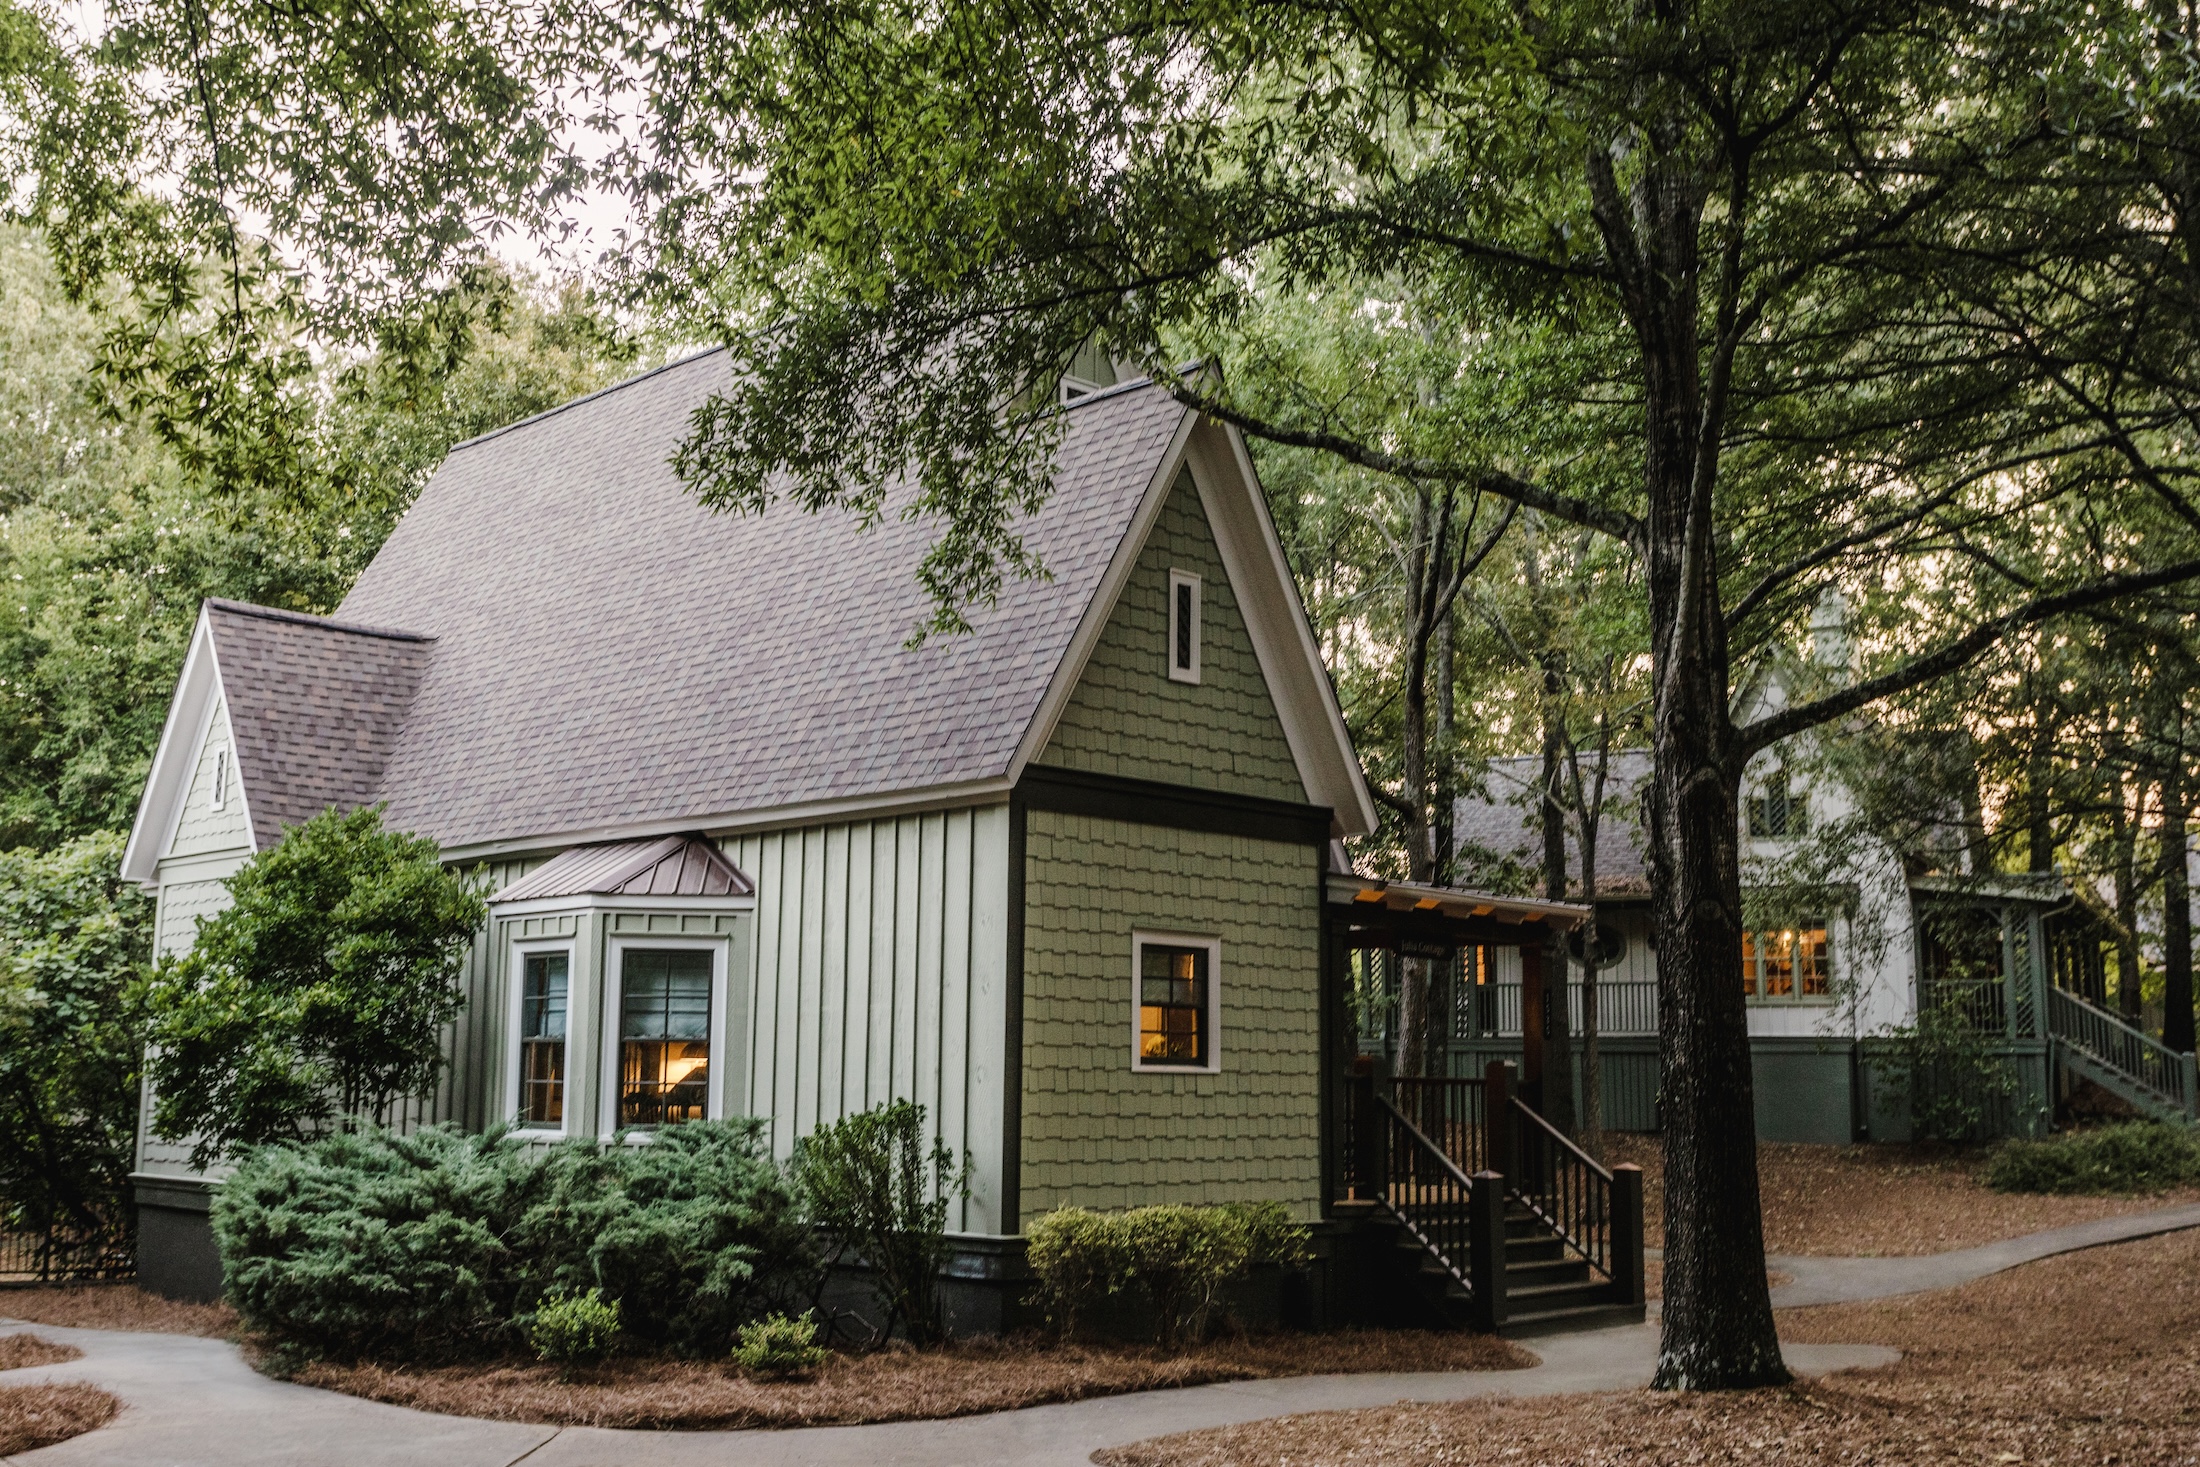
[
  {"x": 320, "y": 993},
  {"x": 73, "y": 938}
]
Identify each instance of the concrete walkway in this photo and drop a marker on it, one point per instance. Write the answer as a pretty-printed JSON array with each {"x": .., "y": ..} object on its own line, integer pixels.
[
  {"x": 1846, "y": 1280},
  {"x": 195, "y": 1403}
]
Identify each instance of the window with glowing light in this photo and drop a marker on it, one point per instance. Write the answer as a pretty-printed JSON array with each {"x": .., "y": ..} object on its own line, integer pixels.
[
  {"x": 542, "y": 1007},
  {"x": 1175, "y": 1004},
  {"x": 664, "y": 1036},
  {"x": 1787, "y": 964}
]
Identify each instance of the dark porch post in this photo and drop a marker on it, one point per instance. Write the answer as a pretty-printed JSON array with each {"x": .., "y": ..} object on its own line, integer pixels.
[
  {"x": 1532, "y": 1030},
  {"x": 1500, "y": 1079}
]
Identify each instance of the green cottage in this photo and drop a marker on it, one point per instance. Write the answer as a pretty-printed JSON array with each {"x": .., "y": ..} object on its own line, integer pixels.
[{"x": 1073, "y": 881}]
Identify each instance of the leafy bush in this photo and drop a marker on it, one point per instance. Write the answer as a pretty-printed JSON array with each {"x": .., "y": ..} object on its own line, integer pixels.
[
  {"x": 2136, "y": 1156},
  {"x": 73, "y": 940},
  {"x": 1185, "y": 1256},
  {"x": 879, "y": 1185},
  {"x": 320, "y": 993},
  {"x": 1955, "y": 1077},
  {"x": 779, "y": 1345},
  {"x": 432, "y": 1245},
  {"x": 574, "y": 1329}
]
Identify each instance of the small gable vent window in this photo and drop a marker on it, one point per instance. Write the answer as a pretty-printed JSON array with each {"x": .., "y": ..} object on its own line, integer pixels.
[
  {"x": 1777, "y": 812},
  {"x": 1183, "y": 627},
  {"x": 219, "y": 797}
]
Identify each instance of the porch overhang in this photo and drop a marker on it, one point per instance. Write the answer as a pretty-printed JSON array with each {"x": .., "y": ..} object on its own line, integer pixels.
[{"x": 1368, "y": 912}]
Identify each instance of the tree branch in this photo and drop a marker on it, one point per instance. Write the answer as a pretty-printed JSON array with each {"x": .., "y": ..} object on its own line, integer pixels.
[
  {"x": 1769, "y": 730},
  {"x": 1618, "y": 524}
]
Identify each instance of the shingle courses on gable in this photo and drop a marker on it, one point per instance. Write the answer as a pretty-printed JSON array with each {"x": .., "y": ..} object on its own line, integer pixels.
[
  {"x": 610, "y": 654},
  {"x": 314, "y": 705}
]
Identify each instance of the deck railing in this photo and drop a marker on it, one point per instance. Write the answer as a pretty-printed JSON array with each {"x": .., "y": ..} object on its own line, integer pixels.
[
  {"x": 2111, "y": 1042},
  {"x": 1626, "y": 1008},
  {"x": 1563, "y": 1186},
  {"x": 1449, "y": 1112}
]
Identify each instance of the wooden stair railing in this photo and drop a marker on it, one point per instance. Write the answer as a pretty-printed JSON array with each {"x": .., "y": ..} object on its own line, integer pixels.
[
  {"x": 2133, "y": 1065},
  {"x": 1461, "y": 1164}
]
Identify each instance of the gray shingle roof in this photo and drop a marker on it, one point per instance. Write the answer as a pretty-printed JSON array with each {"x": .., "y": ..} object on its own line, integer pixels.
[
  {"x": 610, "y": 654},
  {"x": 1506, "y": 823},
  {"x": 315, "y": 707}
]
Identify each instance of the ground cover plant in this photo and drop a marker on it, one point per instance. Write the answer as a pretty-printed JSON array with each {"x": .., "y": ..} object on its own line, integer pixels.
[
  {"x": 2131, "y": 1158},
  {"x": 2075, "y": 1361},
  {"x": 441, "y": 1245},
  {"x": 778, "y": 1346},
  {"x": 896, "y": 1383},
  {"x": 34, "y": 1416}
]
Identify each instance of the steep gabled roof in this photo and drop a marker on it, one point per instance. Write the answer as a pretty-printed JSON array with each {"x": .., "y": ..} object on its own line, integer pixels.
[
  {"x": 595, "y": 656},
  {"x": 315, "y": 706},
  {"x": 1505, "y": 822}
]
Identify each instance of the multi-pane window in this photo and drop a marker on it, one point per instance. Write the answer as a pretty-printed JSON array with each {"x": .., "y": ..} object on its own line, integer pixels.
[
  {"x": 664, "y": 1036},
  {"x": 1183, "y": 627},
  {"x": 1173, "y": 1005},
  {"x": 1793, "y": 962},
  {"x": 1776, "y": 811},
  {"x": 542, "y": 1006}
]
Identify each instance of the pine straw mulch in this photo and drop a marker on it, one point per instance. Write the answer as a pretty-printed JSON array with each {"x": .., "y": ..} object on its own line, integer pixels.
[
  {"x": 20, "y": 1352},
  {"x": 35, "y": 1416},
  {"x": 117, "y": 1306},
  {"x": 896, "y": 1384},
  {"x": 2080, "y": 1360},
  {"x": 1881, "y": 1201}
]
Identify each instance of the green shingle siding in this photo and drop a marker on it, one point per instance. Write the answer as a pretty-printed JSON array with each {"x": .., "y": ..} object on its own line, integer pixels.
[
  {"x": 1126, "y": 716},
  {"x": 1095, "y": 1132}
]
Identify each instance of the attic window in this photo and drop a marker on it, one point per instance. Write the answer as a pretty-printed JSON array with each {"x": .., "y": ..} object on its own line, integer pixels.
[
  {"x": 218, "y": 797},
  {"x": 1776, "y": 812},
  {"x": 1183, "y": 627}
]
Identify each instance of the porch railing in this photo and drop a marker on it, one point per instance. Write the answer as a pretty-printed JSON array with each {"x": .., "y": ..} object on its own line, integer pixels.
[
  {"x": 57, "y": 1257},
  {"x": 1449, "y": 1112},
  {"x": 2139, "y": 1060},
  {"x": 1626, "y": 1008}
]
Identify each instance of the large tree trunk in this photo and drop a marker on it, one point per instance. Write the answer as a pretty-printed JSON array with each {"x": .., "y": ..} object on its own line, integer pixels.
[
  {"x": 2039, "y": 780},
  {"x": 1592, "y": 953},
  {"x": 1717, "y": 1319},
  {"x": 2177, "y": 1017}
]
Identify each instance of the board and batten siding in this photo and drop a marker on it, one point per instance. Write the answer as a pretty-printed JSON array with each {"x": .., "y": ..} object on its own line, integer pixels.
[
  {"x": 881, "y": 973},
  {"x": 1098, "y": 1134},
  {"x": 1128, "y": 718}
]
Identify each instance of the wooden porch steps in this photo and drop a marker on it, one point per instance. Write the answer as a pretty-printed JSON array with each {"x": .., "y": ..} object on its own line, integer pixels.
[{"x": 1548, "y": 1289}]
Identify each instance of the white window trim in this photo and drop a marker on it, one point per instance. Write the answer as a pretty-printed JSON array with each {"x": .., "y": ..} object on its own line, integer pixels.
[
  {"x": 1180, "y": 674},
  {"x": 1213, "y": 945},
  {"x": 575, "y": 1051},
  {"x": 614, "y": 984}
]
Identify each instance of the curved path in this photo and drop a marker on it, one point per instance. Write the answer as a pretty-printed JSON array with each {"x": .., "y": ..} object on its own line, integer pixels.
[{"x": 195, "y": 1403}]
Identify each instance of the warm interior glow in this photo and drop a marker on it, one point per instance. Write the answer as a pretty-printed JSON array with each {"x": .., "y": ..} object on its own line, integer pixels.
[{"x": 678, "y": 1068}]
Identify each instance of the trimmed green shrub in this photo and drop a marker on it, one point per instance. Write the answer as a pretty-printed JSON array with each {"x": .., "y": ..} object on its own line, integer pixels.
[
  {"x": 1185, "y": 1257},
  {"x": 1080, "y": 1259},
  {"x": 2135, "y": 1156},
  {"x": 879, "y": 1185},
  {"x": 574, "y": 1329},
  {"x": 435, "y": 1245},
  {"x": 779, "y": 1345}
]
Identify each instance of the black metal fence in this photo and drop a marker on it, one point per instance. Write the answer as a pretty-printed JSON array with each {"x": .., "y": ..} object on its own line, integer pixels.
[{"x": 61, "y": 1257}]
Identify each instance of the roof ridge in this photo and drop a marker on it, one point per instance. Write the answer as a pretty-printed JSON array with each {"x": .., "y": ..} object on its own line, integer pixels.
[
  {"x": 307, "y": 618},
  {"x": 574, "y": 402}
]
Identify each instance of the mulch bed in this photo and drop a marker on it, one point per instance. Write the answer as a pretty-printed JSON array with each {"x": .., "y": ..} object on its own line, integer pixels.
[
  {"x": 1882, "y": 1201},
  {"x": 36, "y": 1416},
  {"x": 20, "y": 1352},
  {"x": 117, "y": 1306},
  {"x": 962, "y": 1379},
  {"x": 2081, "y": 1360}
]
